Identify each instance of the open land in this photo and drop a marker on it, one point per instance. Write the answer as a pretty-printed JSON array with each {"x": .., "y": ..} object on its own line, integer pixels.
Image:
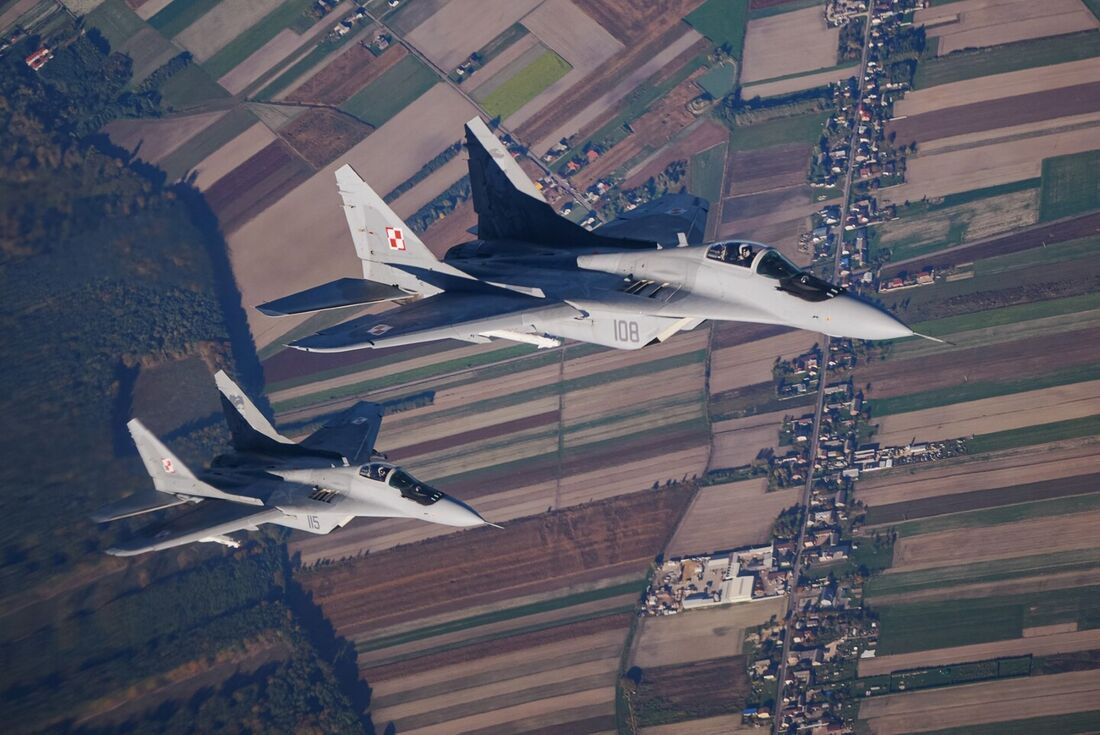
[
  {"x": 1001, "y": 541},
  {"x": 255, "y": 185},
  {"x": 971, "y": 704},
  {"x": 320, "y": 135},
  {"x": 223, "y": 23},
  {"x": 768, "y": 44},
  {"x": 797, "y": 83},
  {"x": 231, "y": 155},
  {"x": 776, "y": 167},
  {"x": 699, "y": 634},
  {"x": 988, "y": 415},
  {"x": 729, "y": 516},
  {"x": 720, "y": 725},
  {"x": 154, "y": 140},
  {"x": 262, "y": 60},
  {"x": 976, "y": 23},
  {"x": 741, "y": 365}
]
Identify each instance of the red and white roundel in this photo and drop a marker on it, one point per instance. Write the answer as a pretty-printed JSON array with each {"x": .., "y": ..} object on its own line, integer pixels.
[
  {"x": 396, "y": 237},
  {"x": 168, "y": 466}
]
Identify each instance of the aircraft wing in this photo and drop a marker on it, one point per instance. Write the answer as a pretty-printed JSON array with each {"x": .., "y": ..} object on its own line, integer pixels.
[
  {"x": 463, "y": 315},
  {"x": 352, "y": 434},
  {"x": 143, "y": 501},
  {"x": 661, "y": 220},
  {"x": 211, "y": 518}
]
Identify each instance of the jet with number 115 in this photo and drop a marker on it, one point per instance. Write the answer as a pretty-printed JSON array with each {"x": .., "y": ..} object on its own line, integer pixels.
[{"x": 533, "y": 276}]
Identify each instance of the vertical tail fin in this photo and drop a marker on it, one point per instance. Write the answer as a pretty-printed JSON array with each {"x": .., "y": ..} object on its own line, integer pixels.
[
  {"x": 249, "y": 427},
  {"x": 382, "y": 238},
  {"x": 169, "y": 474}
]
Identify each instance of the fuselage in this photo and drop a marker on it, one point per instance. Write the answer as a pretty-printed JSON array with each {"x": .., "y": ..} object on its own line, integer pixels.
[{"x": 686, "y": 284}]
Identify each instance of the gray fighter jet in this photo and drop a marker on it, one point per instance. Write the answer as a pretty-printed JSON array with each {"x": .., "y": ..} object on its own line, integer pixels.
[
  {"x": 319, "y": 484},
  {"x": 532, "y": 276}
]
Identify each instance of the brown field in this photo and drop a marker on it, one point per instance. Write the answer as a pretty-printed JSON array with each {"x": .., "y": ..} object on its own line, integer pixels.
[
  {"x": 452, "y": 230},
  {"x": 320, "y": 135},
  {"x": 152, "y": 140},
  {"x": 709, "y": 687},
  {"x": 741, "y": 447},
  {"x": 797, "y": 84},
  {"x": 584, "y": 105},
  {"x": 1042, "y": 582},
  {"x": 255, "y": 185},
  {"x": 986, "y": 474},
  {"x": 978, "y": 23},
  {"x": 997, "y": 86},
  {"x": 579, "y": 657},
  {"x": 449, "y": 36},
  {"x": 700, "y": 634},
  {"x": 1000, "y": 541},
  {"x": 232, "y": 154},
  {"x": 1020, "y": 109},
  {"x": 778, "y": 167},
  {"x": 145, "y": 9},
  {"x": 221, "y": 24},
  {"x": 973, "y": 704},
  {"x": 1089, "y": 120},
  {"x": 601, "y": 539},
  {"x": 1037, "y": 355},
  {"x": 720, "y": 725},
  {"x": 768, "y": 44},
  {"x": 730, "y": 334},
  {"x": 593, "y": 708},
  {"x": 989, "y": 415},
  {"x": 748, "y": 364},
  {"x": 346, "y": 74},
  {"x": 664, "y": 120},
  {"x": 753, "y": 211},
  {"x": 729, "y": 516},
  {"x": 630, "y": 21},
  {"x": 267, "y": 258}
]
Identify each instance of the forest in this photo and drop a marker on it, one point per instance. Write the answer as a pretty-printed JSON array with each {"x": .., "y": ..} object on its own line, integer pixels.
[{"x": 107, "y": 269}]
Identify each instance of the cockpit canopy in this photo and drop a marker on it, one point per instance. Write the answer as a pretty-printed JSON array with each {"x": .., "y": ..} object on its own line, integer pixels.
[
  {"x": 409, "y": 487},
  {"x": 771, "y": 263}
]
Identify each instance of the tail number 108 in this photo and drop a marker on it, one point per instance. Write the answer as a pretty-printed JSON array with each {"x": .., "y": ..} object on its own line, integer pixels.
[{"x": 626, "y": 331}]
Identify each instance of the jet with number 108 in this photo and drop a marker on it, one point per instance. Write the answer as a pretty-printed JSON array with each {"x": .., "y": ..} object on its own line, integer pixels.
[{"x": 533, "y": 276}]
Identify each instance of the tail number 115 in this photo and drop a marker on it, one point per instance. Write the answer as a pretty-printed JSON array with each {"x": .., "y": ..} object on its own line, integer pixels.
[{"x": 626, "y": 331}]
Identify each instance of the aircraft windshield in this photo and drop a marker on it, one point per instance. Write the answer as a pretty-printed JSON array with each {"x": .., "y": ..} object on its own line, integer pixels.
[
  {"x": 774, "y": 265},
  {"x": 412, "y": 488},
  {"x": 375, "y": 471}
]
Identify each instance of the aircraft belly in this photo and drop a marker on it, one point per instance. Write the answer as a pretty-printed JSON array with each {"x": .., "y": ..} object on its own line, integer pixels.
[{"x": 621, "y": 330}]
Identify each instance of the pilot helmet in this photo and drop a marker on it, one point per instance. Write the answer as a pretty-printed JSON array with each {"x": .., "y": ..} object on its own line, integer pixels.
[{"x": 745, "y": 251}]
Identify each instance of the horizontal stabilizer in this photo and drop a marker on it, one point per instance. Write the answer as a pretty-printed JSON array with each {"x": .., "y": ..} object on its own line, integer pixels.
[
  {"x": 333, "y": 295},
  {"x": 143, "y": 501}
]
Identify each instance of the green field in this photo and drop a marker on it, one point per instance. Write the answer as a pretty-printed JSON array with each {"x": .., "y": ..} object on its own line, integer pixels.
[
  {"x": 392, "y": 92},
  {"x": 974, "y": 63},
  {"x": 705, "y": 173},
  {"x": 798, "y": 129},
  {"x": 190, "y": 87},
  {"x": 1003, "y": 514},
  {"x": 116, "y": 22},
  {"x": 723, "y": 22},
  {"x": 1008, "y": 315},
  {"x": 1071, "y": 185},
  {"x": 244, "y": 45},
  {"x": 719, "y": 81},
  {"x": 926, "y": 625},
  {"x": 525, "y": 85},
  {"x": 1071, "y": 724},
  {"x": 977, "y": 390},
  {"x": 785, "y": 7},
  {"x": 179, "y": 14},
  {"x": 979, "y": 572},
  {"x": 1094, "y": 6},
  {"x": 1056, "y": 431}
]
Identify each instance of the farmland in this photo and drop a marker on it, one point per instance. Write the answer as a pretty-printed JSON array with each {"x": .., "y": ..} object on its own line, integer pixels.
[
  {"x": 526, "y": 84},
  {"x": 979, "y": 23},
  {"x": 391, "y": 92},
  {"x": 1071, "y": 185}
]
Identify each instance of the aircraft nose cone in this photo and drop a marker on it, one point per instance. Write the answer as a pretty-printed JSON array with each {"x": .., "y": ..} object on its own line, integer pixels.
[
  {"x": 850, "y": 317},
  {"x": 453, "y": 512}
]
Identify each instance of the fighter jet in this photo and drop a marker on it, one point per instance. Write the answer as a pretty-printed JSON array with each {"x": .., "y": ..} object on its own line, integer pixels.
[
  {"x": 533, "y": 276},
  {"x": 317, "y": 485}
]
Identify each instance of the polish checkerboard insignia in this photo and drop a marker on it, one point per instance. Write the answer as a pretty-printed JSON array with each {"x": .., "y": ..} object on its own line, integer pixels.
[
  {"x": 379, "y": 329},
  {"x": 396, "y": 238},
  {"x": 168, "y": 466}
]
